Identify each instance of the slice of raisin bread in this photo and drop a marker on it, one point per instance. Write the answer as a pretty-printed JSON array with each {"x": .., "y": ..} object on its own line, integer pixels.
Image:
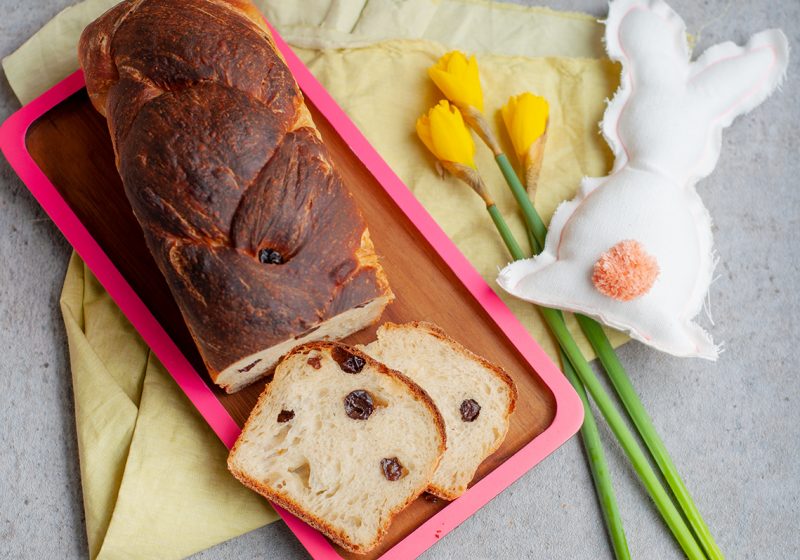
[
  {"x": 475, "y": 397},
  {"x": 341, "y": 441}
]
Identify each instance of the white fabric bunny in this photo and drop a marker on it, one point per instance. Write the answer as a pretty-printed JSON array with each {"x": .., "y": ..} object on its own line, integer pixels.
[{"x": 634, "y": 249}]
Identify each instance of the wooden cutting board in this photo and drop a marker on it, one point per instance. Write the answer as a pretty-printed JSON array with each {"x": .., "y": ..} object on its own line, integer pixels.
[{"x": 71, "y": 144}]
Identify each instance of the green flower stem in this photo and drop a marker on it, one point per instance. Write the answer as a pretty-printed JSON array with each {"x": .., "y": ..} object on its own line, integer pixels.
[
  {"x": 597, "y": 463},
  {"x": 636, "y": 411},
  {"x": 669, "y": 513},
  {"x": 589, "y": 434},
  {"x": 673, "y": 519},
  {"x": 536, "y": 228},
  {"x": 502, "y": 227},
  {"x": 620, "y": 380}
]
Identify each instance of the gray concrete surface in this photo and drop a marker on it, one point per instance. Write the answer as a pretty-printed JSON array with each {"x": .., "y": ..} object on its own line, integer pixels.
[{"x": 732, "y": 427}]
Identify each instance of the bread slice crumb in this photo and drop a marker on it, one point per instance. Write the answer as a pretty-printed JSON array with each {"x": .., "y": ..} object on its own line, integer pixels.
[
  {"x": 475, "y": 397},
  {"x": 341, "y": 441}
]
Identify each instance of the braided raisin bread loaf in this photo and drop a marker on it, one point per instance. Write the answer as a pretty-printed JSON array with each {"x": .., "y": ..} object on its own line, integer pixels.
[{"x": 260, "y": 242}]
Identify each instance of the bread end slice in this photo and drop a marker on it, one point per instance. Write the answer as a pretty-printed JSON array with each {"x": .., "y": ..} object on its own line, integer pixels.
[
  {"x": 453, "y": 376},
  {"x": 343, "y": 466}
]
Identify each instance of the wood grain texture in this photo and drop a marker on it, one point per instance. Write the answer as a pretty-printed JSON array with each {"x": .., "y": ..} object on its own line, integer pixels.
[{"x": 71, "y": 144}]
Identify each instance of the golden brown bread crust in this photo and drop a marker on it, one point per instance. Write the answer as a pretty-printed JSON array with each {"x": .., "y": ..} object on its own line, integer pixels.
[
  {"x": 220, "y": 161},
  {"x": 437, "y": 331},
  {"x": 339, "y": 537}
]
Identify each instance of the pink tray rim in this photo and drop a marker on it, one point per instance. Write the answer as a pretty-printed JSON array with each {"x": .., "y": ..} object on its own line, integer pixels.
[{"x": 569, "y": 411}]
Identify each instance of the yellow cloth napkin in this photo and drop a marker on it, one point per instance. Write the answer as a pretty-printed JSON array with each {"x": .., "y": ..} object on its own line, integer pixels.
[
  {"x": 385, "y": 87},
  {"x": 154, "y": 478},
  {"x": 472, "y": 25}
]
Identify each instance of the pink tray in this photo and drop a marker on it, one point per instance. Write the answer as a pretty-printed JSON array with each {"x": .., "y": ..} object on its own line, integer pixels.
[{"x": 569, "y": 412}]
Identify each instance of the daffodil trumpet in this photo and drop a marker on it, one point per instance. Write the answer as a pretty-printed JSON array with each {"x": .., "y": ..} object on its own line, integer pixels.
[
  {"x": 458, "y": 79},
  {"x": 444, "y": 133},
  {"x": 527, "y": 118}
]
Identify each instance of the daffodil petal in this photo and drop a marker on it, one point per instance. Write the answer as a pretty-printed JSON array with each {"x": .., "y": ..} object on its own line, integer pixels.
[
  {"x": 443, "y": 131},
  {"x": 525, "y": 117},
  {"x": 442, "y": 135},
  {"x": 424, "y": 132},
  {"x": 458, "y": 78},
  {"x": 446, "y": 83},
  {"x": 473, "y": 78}
]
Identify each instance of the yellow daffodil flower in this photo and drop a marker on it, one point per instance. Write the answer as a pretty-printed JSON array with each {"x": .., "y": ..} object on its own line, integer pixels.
[
  {"x": 458, "y": 78},
  {"x": 444, "y": 133},
  {"x": 526, "y": 117}
]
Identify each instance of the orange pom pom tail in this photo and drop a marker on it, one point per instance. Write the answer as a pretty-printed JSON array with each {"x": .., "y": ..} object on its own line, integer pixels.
[{"x": 625, "y": 271}]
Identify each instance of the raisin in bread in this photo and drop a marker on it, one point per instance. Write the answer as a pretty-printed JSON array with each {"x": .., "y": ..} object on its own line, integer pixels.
[
  {"x": 341, "y": 441},
  {"x": 261, "y": 244},
  {"x": 475, "y": 397}
]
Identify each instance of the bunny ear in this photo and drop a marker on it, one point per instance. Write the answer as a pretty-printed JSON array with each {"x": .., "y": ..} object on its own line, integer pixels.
[
  {"x": 734, "y": 79},
  {"x": 643, "y": 34},
  {"x": 639, "y": 32}
]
